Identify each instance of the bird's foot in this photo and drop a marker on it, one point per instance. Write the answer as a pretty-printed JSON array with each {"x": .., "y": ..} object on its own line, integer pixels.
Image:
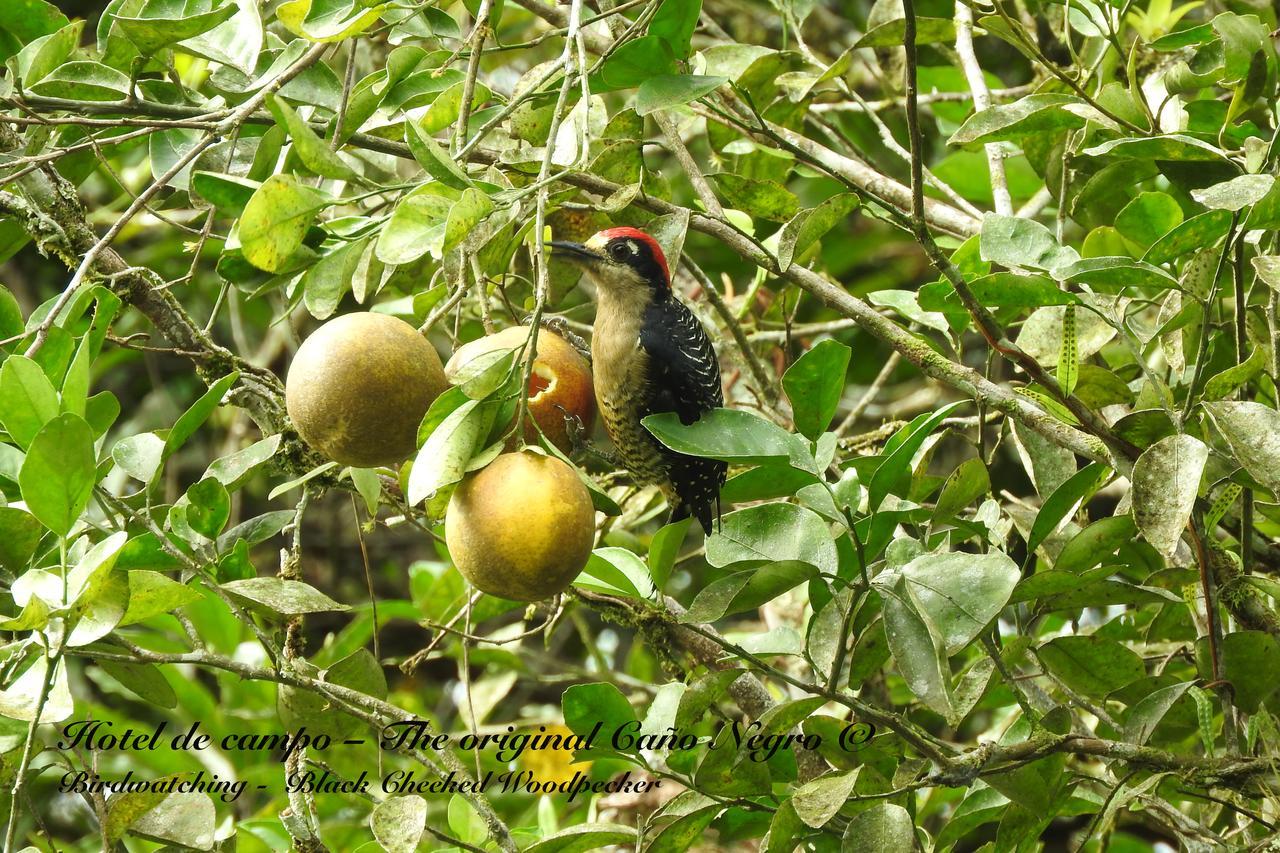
[
  {"x": 561, "y": 328},
  {"x": 580, "y": 445}
]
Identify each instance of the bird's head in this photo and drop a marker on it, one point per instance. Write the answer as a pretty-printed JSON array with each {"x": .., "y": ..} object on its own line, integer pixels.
[{"x": 620, "y": 261}]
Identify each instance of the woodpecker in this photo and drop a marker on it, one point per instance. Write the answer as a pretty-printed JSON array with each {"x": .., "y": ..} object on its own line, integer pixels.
[{"x": 650, "y": 355}]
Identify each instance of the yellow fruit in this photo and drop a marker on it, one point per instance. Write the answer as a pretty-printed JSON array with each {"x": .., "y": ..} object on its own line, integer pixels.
[
  {"x": 521, "y": 527},
  {"x": 359, "y": 386},
  {"x": 560, "y": 382}
]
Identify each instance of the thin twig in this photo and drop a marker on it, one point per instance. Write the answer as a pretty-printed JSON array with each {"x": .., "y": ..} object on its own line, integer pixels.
[{"x": 981, "y": 100}]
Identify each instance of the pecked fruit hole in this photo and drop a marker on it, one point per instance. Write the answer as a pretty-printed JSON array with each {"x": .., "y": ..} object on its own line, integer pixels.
[{"x": 540, "y": 380}]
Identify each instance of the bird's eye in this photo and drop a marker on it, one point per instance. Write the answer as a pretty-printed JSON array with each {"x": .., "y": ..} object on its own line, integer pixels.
[{"x": 618, "y": 251}]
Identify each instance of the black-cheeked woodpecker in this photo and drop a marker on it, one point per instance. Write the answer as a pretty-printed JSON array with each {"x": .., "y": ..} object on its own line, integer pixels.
[{"x": 650, "y": 355}]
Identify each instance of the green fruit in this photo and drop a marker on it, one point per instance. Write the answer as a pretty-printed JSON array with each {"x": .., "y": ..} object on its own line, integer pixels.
[{"x": 359, "y": 386}]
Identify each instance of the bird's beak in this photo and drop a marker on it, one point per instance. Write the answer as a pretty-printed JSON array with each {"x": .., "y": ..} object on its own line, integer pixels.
[{"x": 574, "y": 253}]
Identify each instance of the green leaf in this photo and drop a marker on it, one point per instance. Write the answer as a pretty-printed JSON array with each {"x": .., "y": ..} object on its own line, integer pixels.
[
  {"x": 884, "y": 826},
  {"x": 231, "y": 469},
  {"x": 236, "y": 42},
  {"x": 664, "y": 548},
  {"x": 732, "y": 435},
  {"x": 75, "y": 385},
  {"x": 618, "y": 571},
  {"x": 160, "y": 23},
  {"x": 968, "y": 482},
  {"x": 916, "y": 646},
  {"x": 816, "y": 802},
  {"x": 997, "y": 290},
  {"x": 1028, "y": 116},
  {"x": 145, "y": 680},
  {"x": 585, "y": 705},
  {"x": 682, "y": 833},
  {"x": 398, "y": 823},
  {"x": 465, "y": 216},
  {"x": 188, "y": 819},
  {"x": 583, "y": 837},
  {"x": 1173, "y": 146},
  {"x": 814, "y": 385},
  {"x": 747, "y": 590},
  {"x": 283, "y": 597},
  {"x": 774, "y": 532},
  {"x": 670, "y": 90},
  {"x": 84, "y": 81},
  {"x": 1148, "y": 218},
  {"x": 298, "y": 708},
  {"x": 809, "y": 225},
  {"x": 1041, "y": 334},
  {"x": 893, "y": 473},
  {"x": 127, "y": 807},
  {"x": 151, "y": 593},
  {"x": 1069, "y": 355},
  {"x": 438, "y": 163},
  {"x": 443, "y": 458},
  {"x": 328, "y": 20},
  {"x": 633, "y": 63},
  {"x": 445, "y": 108},
  {"x": 1116, "y": 272},
  {"x": 1251, "y": 662},
  {"x": 44, "y": 54},
  {"x": 1065, "y": 500},
  {"x": 140, "y": 456},
  {"x": 1095, "y": 543},
  {"x": 257, "y": 529},
  {"x": 759, "y": 199},
  {"x": 1253, "y": 432},
  {"x": 23, "y": 21},
  {"x": 228, "y": 193},
  {"x": 275, "y": 221},
  {"x": 98, "y": 595},
  {"x": 1016, "y": 242},
  {"x": 1147, "y": 713},
  {"x": 771, "y": 480},
  {"x": 674, "y": 23},
  {"x": 20, "y": 533},
  {"x": 1198, "y": 232},
  {"x": 59, "y": 472},
  {"x": 416, "y": 227},
  {"x": 328, "y": 280},
  {"x": 300, "y": 480},
  {"x": 1090, "y": 665},
  {"x": 27, "y": 399},
  {"x": 1224, "y": 383},
  {"x": 892, "y": 33},
  {"x": 193, "y": 418},
  {"x": 1166, "y": 480},
  {"x": 208, "y": 507},
  {"x": 960, "y": 594},
  {"x": 313, "y": 151},
  {"x": 1235, "y": 194}
]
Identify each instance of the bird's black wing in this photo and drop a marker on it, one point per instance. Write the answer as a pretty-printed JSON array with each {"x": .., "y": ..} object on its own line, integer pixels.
[{"x": 685, "y": 379}]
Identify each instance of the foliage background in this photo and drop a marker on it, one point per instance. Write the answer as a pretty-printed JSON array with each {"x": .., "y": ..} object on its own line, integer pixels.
[{"x": 995, "y": 292}]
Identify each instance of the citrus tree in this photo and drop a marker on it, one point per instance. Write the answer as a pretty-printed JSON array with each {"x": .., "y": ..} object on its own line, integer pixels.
[{"x": 995, "y": 292}]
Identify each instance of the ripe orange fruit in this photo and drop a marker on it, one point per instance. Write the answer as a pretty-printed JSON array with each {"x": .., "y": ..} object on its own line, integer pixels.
[
  {"x": 521, "y": 527},
  {"x": 560, "y": 383},
  {"x": 358, "y": 387}
]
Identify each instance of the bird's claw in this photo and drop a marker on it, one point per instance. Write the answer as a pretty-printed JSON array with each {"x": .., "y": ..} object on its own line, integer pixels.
[
  {"x": 560, "y": 327},
  {"x": 580, "y": 445}
]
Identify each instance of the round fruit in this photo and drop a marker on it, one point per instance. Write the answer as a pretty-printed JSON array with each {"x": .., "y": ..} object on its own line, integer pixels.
[
  {"x": 521, "y": 527},
  {"x": 359, "y": 386},
  {"x": 560, "y": 382}
]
